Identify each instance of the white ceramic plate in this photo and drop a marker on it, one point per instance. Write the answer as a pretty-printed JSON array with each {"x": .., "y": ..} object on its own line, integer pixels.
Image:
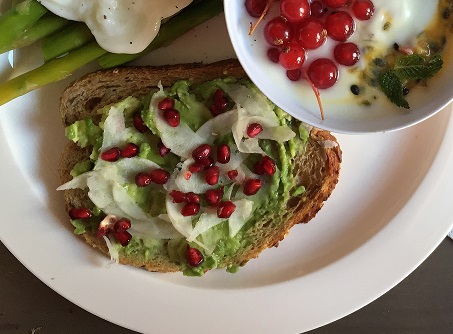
[
  {"x": 298, "y": 100},
  {"x": 390, "y": 210}
]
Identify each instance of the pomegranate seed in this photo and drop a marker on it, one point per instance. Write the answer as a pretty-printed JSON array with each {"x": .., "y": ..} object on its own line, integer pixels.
[
  {"x": 162, "y": 149},
  {"x": 219, "y": 95},
  {"x": 323, "y": 73},
  {"x": 252, "y": 186},
  {"x": 131, "y": 150},
  {"x": 340, "y": 25},
  {"x": 172, "y": 117},
  {"x": 167, "y": 103},
  {"x": 346, "y": 54},
  {"x": 221, "y": 105},
  {"x": 111, "y": 155},
  {"x": 194, "y": 257},
  {"x": 121, "y": 225},
  {"x": 258, "y": 168},
  {"x": 201, "y": 152},
  {"x": 212, "y": 175},
  {"x": 232, "y": 174},
  {"x": 192, "y": 198},
  {"x": 80, "y": 213},
  {"x": 178, "y": 196},
  {"x": 123, "y": 237},
  {"x": 215, "y": 111},
  {"x": 225, "y": 209},
  {"x": 266, "y": 165},
  {"x": 142, "y": 179},
  {"x": 273, "y": 54},
  {"x": 219, "y": 100},
  {"x": 208, "y": 162},
  {"x": 105, "y": 226},
  {"x": 223, "y": 153},
  {"x": 294, "y": 75},
  {"x": 254, "y": 129},
  {"x": 159, "y": 176},
  {"x": 190, "y": 209},
  {"x": 139, "y": 124},
  {"x": 187, "y": 175},
  {"x": 102, "y": 230},
  {"x": 363, "y": 9},
  {"x": 196, "y": 167},
  {"x": 214, "y": 196}
]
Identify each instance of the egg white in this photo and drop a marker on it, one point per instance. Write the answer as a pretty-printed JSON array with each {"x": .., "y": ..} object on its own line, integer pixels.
[{"x": 126, "y": 26}]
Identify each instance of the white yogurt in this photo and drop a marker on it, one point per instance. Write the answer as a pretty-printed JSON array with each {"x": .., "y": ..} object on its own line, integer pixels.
[{"x": 406, "y": 20}]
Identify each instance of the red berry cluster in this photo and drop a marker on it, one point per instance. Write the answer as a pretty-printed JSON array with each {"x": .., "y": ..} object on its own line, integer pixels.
[
  {"x": 206, "y": 159},
  {"x": 304, "y": 25},
  {"x": 108, "y": 225},
  {"x": 115, "y": 153}
]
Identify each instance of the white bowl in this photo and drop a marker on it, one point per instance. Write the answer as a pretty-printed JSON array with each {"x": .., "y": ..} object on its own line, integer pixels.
[{"x": 341, "y": 115}]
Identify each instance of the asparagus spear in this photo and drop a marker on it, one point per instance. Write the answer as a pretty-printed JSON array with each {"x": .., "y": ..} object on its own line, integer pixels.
[
  {"x": 46, "y": 26},
  {"x": 72, "y": 37},
  {"x": 60, "y": 68},
  {"x": 18, "y": 19},
  {"x": 54, "y": 70},
  {"x": 187, "y": 19}
]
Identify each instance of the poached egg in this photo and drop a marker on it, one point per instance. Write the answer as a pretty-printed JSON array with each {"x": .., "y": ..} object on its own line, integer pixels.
[{"x": 126, "y": 26}]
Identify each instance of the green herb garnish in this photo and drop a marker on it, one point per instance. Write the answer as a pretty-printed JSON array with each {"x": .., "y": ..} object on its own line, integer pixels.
[{"x": 406, "y": 68}]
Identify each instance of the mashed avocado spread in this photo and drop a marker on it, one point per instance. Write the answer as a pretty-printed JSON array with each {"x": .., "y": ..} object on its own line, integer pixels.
[{"x": 158, "y": 228}]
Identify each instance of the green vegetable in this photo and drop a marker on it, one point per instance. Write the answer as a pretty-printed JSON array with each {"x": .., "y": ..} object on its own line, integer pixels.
[
  {"x": 79, "y": 227},
  {"x": 190, "y": 17},
  {"x": 54, "y": 70},
  {"x": 270, "y": 201},
  {"x": 18, "y": 19},
  {"x": 15, "y": 21},
  {"x": 406, "y": 68},
  {"x": 81, "y": 167},
  {"x": 193, "y": 112},
  {"x": 47, "y": 25},
  {"x": 66, "y": 40},
  {"x": 83, "y": 132}
]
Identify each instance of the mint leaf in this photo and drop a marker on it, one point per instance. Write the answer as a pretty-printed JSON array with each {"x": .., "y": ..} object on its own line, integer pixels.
[
  {"x": 414, "y": 67},
  {"x": 407, "y": 67},
  {"x": 393, "y": 88}
]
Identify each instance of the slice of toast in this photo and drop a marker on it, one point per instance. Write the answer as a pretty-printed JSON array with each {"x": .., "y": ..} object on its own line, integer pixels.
[{"x": 316, "y": 167}]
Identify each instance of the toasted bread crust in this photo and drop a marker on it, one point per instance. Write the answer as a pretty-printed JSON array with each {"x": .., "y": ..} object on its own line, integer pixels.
[{"x": 83, "y": 97}]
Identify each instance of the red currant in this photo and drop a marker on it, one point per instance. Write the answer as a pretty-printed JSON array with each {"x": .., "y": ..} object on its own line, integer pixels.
[
  {"x": 294, "y": 75},
  {"x": 323, "y": 73},
  {"x": 363, "y": 9},
  {"x": 295, "y": 11},
  {"x": 273, "y": 54},
  {"x": 317, "y": 9},
  {"x": 278, "y": 31},
  {"x": 336, "y": 3},
  {"x": 292, "y": 56},
  {"x": 340, "y": 25},
  {"x": 346, "y": 54},
  {"x": 255, "y": 7},
  {"x": 312, "y": 34}
]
